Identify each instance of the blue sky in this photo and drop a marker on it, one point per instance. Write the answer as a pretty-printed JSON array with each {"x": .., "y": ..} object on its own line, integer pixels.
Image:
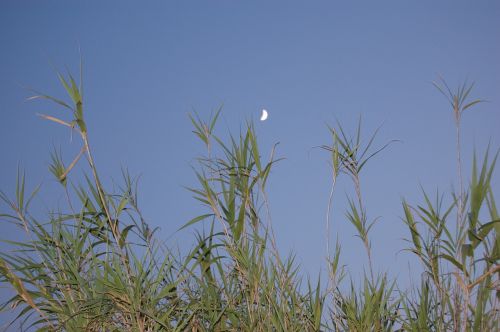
[{"x": 308, "y": 63}]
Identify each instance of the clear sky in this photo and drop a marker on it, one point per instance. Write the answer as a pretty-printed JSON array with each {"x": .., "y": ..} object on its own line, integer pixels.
[{"x": 307, "y": 62}]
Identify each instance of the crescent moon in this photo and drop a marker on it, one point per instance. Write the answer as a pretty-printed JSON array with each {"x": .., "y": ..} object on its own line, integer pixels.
[{"x": 264, "y": 115}]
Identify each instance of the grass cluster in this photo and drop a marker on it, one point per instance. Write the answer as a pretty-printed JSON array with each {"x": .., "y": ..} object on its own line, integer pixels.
[{"x": 96, "y": 265}]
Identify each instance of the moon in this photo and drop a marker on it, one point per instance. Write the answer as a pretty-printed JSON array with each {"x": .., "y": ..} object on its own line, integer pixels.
[{"x": 264, "y": 115}]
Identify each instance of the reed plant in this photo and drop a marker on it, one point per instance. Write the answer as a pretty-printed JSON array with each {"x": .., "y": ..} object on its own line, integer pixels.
[{"x": 96, "y": 265}]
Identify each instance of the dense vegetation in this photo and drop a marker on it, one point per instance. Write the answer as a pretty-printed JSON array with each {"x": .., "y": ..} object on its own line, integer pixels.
[{"x": 96, "y": 265}]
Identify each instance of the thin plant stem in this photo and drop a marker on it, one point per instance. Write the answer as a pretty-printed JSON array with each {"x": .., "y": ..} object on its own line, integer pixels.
[
  {"x": 366, "y": 242},
  {"x": 328, "y": 213}
]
